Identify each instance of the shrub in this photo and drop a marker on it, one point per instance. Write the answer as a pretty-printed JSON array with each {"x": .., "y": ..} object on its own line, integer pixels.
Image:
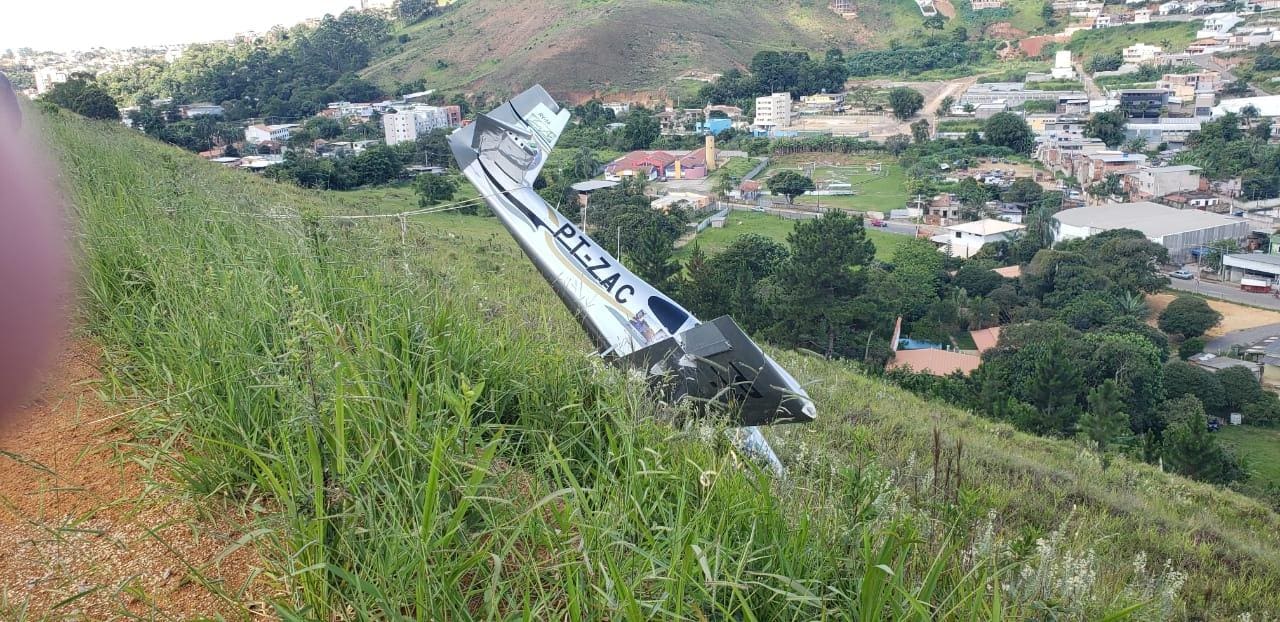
[
  {"x": 1188, "y": 316},
  {"x": 1191, "y": 347}
]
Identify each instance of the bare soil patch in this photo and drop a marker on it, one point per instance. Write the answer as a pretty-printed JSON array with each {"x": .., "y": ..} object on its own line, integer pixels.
[
  {"x": 1234, "y": 317},
  {"x": 87, "y": 534}
]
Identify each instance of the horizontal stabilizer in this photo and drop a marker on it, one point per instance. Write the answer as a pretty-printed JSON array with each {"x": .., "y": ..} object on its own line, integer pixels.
[{"x": 717, "y": 362}]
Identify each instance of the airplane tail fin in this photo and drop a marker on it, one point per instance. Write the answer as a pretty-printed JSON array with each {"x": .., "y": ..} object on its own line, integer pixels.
[{"x": 517, "y": 136}]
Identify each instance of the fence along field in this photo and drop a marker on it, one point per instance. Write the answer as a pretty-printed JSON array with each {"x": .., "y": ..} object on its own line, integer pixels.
[{"x": 424, "y": 420}]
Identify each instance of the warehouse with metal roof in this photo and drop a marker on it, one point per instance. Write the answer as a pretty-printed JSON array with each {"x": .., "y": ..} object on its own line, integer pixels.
[{"x": 1182, "y": 231}]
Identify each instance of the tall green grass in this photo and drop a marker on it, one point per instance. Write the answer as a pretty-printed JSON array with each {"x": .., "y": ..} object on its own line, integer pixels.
[{"x": 432, "y": 442}]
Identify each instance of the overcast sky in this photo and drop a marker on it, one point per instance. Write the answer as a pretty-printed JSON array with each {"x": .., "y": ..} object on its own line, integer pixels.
[{"x": 82, "y": 24}]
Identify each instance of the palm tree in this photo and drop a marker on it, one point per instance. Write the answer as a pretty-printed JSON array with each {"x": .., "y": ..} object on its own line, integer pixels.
[
  {"x": 585, "y": 165},
  {"x": 1133, "y": 304}
]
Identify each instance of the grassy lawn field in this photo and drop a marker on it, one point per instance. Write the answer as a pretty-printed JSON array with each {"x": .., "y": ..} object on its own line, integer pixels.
[
  {"x": 1260, "y": 447},
  {"x": 1173, "y": 36},
  {"x": 873, "y": 191},
  {"x": 714, "y": 240}
]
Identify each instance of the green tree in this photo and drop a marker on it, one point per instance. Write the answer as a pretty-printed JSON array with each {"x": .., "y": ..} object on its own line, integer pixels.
[
  {"x": 1240, "y": 386},
  {"x": 585, "y": 165},
  {"x": 376, "y": 165},
  {"x": 944, "y": 106},
  {"x": 323, "y": 127},
  {"x": 1190, "y": 347},
  {"x": 1023, "y": 190},
  {"x": 920, "y": 131},
  {"x": 433, "y": 189},
  {"x": 1182, "y": 378},
  {"x": 412, "y": 11},
  {"x": 82, "y": 95},
  {"x": 639, "y": 132},
  {"x": 650, "y": 256},
  {"x": 1105, "y": 421},
  {"x": 1109, "y": 127},
  {"x": 817, "y": 287},
  {"x": 1007, "y": 129},
  {"x": 789, "y": 184},
  {"x": 1189, "y": 449},
  {"x": 1189, "y": 316},
  {"x": 905, "y": 102},
  {"x": 1054, "y": 385}
]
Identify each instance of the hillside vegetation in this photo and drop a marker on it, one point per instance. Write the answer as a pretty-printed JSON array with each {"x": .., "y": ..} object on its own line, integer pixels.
[
  {"x": 583, "y": 47},
  {"x": 421, "y": 419}
]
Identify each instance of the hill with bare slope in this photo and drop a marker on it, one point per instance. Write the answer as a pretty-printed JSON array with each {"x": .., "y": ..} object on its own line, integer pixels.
[{"x": 581, "y": 47}]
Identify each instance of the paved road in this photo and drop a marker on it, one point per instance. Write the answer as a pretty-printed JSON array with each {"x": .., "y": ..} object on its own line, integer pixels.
[
  {"x": 1230, "y": 292},
  {"x": 1245, "y": 337}
]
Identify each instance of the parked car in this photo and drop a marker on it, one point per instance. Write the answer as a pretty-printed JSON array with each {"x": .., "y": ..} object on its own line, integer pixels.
[
  {"x": 879, "y": 223},
  {"x": 1183, "y": 274}
]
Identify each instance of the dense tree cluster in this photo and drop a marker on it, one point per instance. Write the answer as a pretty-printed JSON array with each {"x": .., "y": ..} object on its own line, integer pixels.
[
  {"x": 936, "y": 53},
  {"x": 290, "y": 77},
  {"x": 82, "y": 95},
  {"x": 779, "y": 72},
  {"x": 1236, "y": 146}
]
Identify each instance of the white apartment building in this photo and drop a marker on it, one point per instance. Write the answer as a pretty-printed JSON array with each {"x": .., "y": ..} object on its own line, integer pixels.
[
  {"x": 773, "y": 111},
  {"x": 1139, "y": 53},
  {"x": 46, "y": 77},
  {"x": 256, "y": 134},
  {"x": 413, "y": 121}
]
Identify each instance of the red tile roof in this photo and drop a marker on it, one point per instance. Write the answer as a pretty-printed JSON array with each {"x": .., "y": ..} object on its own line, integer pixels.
[
  {"x": 986, "y": 338},
  {"x": 935, "y": 362}
]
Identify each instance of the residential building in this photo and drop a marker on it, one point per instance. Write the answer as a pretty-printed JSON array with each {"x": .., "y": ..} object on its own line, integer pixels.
[
  {"x": 1170, "y": 8},
  {"x": 941, "y": 209},
  {"x": 46, "y": 77},
  {"x": 258, "y": 134},
  {"x": 1188, "y": 84},
  {"x": 1143, "y": 103},
  {"x": 409, "y": 122},
  {"x": 695, "y": 200},
  {"x": 1139, "y": 53},
  {"x": 1142, "y": 16},
  {"x": 1195, "y": 199},
  {"x": 822, "y": 103},
  {"x": 1095, "y": 167},
  {"x": 966, "y": 239},
  {"x": 647, "y": 164},
  {"x": 1267, "y": 106},
  {"x": 1149, "y": 182},
  {"x": 1216, "y": 363},
  {"x": 1179, "y": 231},
  {"x": 734, "y": 113},
  {"x": 199, "y": 110},
  {"x": 1062, "y": 69},
  {"x": 1172, "y": 132},
  {"x": 982, "y": 5},
  {"x": 1218, "y": 24},
  {"x": 773, "y": 111}
]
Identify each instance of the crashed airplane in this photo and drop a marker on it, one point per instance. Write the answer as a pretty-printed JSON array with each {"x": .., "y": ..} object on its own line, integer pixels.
[{"x": 632, "y": 323}]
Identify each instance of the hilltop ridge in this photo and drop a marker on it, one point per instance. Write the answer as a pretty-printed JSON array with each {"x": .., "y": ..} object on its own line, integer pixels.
[{"x": 586, "y": 47}]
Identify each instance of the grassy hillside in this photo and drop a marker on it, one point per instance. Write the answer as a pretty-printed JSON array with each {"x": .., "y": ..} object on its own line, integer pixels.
[
  {"x": 581, "y": 47},
  {"x": 419, "y": 427}
]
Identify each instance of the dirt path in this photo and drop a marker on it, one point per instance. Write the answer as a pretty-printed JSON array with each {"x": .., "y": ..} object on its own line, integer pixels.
[
  {"x": 952, "y": 88},
  {"x": 945, "y": 8},
  {"x": 83, "y": 536}
]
